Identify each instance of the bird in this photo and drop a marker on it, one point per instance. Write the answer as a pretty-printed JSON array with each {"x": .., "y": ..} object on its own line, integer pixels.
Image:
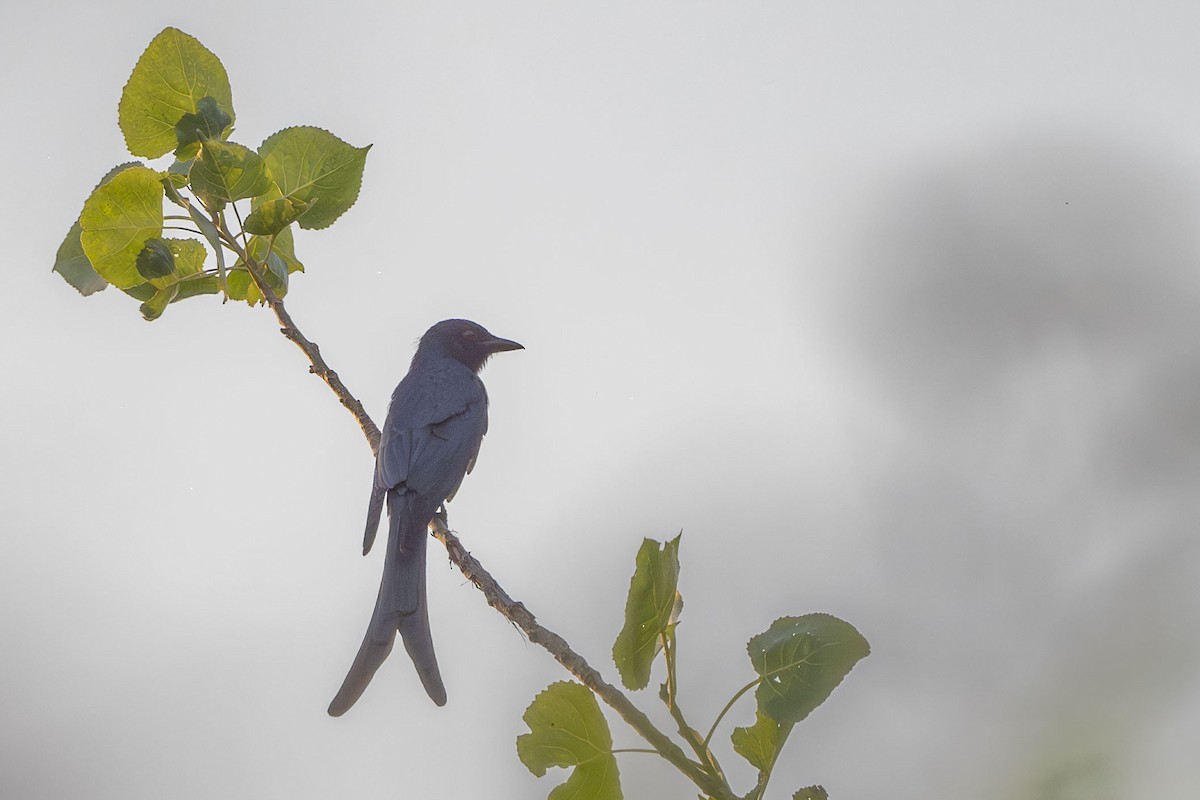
[{"x": 429, "y": 442}]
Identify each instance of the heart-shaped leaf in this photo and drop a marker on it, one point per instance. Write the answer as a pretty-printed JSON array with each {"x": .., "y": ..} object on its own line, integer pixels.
[
  {"x": 566, "y": 729},
  {"x": 801, "y": 661}
]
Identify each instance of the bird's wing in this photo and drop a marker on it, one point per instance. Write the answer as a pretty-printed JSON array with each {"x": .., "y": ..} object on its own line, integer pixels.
[
  {"x": 436, "y": 419},
  {"x": 474, "y": 455},
  {"x": 441, "y": 453},
  {"x": 434, "y": 405},
  {"x": 435, "y": 423}
]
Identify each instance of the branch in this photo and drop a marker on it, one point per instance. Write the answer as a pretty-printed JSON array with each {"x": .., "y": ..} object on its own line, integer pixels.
[
  {"x": 473, "y": 571},
  {"x": 667, "y": 694},
  {"x": 288, "y": 329},
  {"x": 319, "y": 367}
]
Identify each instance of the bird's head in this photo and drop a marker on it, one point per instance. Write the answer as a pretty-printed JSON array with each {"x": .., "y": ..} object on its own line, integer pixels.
[{"x": 467, "y": 342}]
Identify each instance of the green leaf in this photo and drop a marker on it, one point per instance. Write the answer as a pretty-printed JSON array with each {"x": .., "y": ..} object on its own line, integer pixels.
[
  {"x": 208, "y": 123},
  {"x": 172, "y": 183},
  {"x": 226, "y": 172},
  {"x": 801, "y": 661},
  {"x": 177, "y": 173},
  {"x": 568, "y": 730},
  {"x": 811, "y": 793},
  {"x": 187, "y": 153},
  {"x": 651, "y": 611},
  {"x": 73, "y": 265},
  {"x": 285, "y": 249},
  {"x": 70, "y": 261},
  {"x": 311, "y": 164},
  {"x": 153, "y": 308},
  {"x": 189, "y": 256},
  {"x": 276, "y": 275},
  {"x": 273, "y": 216},
  {"x": 117, "y": 220},
  {"x": 186, "y": 280},
  {"x": 197, "y": 285},
  {"x": 168, "y": 82},
  {"x": 760, "y": 743},
  {"x": 143, "y": 291},
  {"x": 155, "y": 259},
  {"x": 277, "y": 270},
  {"x": 239, "y": 286},
  {"x": 277, "y": 261}
]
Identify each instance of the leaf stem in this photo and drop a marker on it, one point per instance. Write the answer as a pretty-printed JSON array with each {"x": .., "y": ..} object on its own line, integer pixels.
[
  {"x": 241, "y": 231},
  {"x": 668, "y": 695},
  {"x": 668, "y": 656},
  {"x": 765, "y": 775},
  {"x": 729, "y": 705}
]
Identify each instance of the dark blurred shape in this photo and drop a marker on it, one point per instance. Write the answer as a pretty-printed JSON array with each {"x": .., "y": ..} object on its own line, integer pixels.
[{"x": 1046, "y": 266}]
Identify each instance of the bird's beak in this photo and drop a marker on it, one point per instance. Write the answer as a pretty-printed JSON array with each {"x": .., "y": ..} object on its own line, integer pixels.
[{"x": 498, "y": 345}]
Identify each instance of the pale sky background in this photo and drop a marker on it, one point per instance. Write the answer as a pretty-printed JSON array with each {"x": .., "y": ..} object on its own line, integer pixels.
[{"x": 891, "y": 307}]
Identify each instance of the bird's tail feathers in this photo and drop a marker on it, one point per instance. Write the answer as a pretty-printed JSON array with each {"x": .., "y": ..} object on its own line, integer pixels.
[
  {"x": 400, "y": 607},
  {"x": 371, "y": 655},
  {"x": 374, "y": 510},
  {"x": 408, "y": 540},
  {"x": 418, "y": 641}
]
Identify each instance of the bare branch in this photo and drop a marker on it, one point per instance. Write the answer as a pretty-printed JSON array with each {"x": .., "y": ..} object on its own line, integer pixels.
[
  {"x": 288, "y": 329},
  {"x": 319, "y": 367},
  {"x": 473, "y": 571}
]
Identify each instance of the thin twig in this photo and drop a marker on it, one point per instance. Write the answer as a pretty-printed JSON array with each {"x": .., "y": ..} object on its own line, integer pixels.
[
  {"x": 737, "y": 696},
  {"x": 320, "y": 368},
  {"x": 668, "y": 695},
  {"x": 288, "y": 329}
]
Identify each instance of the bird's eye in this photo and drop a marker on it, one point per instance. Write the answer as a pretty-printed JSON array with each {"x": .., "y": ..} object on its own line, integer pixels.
[{"x": 468, "y": 334}]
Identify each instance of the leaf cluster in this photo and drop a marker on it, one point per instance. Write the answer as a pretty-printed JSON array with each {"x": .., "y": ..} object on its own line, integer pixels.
[
  {"x": 178, "y": 102},
  {"x": 798, "y": 661}
]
